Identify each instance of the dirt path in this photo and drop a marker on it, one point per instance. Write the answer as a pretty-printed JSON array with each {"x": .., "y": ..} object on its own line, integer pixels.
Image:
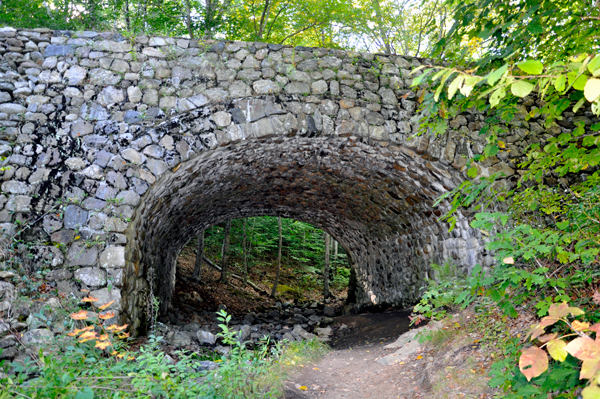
[
  {"x": 351, "y": 370},
  {"x": 453, "y": 368},
  {"x": 354, "y": 373}
]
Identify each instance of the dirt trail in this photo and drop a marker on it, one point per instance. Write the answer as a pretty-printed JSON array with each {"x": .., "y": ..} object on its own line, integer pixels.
[
  {"x": 453, "y": 370},
  {"x": 354, "y": 373},
  {"x": 351, "y": 370}
]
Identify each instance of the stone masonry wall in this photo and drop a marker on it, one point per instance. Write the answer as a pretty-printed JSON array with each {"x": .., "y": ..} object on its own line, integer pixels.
[{"x": 117, "y": 152}]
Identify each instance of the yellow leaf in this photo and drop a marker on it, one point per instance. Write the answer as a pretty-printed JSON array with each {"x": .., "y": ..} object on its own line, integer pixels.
[
  {"x": 556, "y": 348},
  {"x": 419, "y": 357},
  {"x": 580, "y": 326},
  {"x": 591, "y": 392},
  {"x": 77, "y": 237},
  {"x": 107, "y": 315},
  {"x": 303, "y": 388},
  {"x": 81, "y": 315},
  {"x": 501, "y": 144},
  {"x": 89, "y": 299},
  {"x": 102, "y": 344},
  {"x": 315, "y": 368},
  {"x": 106, "y": 305},
  {"x": 591, "y": 90},
  {"x": 509, "y": 261}
]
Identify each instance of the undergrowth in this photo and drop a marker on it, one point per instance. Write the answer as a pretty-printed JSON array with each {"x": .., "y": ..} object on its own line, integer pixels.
[{"x": 101, "y": 363}]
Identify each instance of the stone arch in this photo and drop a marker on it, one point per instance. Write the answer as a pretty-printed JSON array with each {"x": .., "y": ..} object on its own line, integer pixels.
[
  {"x": 373, "y": 196},
  {"x": 103, "y": 136}
]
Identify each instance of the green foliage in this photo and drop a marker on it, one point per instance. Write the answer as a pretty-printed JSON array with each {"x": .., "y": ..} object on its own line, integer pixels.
[
  {"x": 77, "y": 370},
  {"x": 303, "y": 249}
]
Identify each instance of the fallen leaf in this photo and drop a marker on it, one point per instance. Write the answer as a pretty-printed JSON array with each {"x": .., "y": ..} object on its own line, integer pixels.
[
  {"x": 303, "y": 388},
  {"x": 596, "y": 297}
]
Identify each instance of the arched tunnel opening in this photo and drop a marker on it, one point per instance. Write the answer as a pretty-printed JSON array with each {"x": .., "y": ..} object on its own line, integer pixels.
[
  {"x": 252, "y": 258},
  {"x": 375, "y": 200}
]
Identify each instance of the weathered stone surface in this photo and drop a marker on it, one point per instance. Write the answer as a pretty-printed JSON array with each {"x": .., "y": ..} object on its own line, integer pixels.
[
  {"x": 37, "y": 336},
  {"x": 75, "y": 75},
  {"x": 75, "y": 217},
  {"x": 113, "y": 257},
  {"x": 205, "y": 337},
  {"x": 111, "y": 95},
  {"x": 91, "y": 276},
  {"x": 81, "y": 255},
  {"x": 60, "y": 51}
]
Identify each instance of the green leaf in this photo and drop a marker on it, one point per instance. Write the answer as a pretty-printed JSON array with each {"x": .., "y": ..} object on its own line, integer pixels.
[
  {"x": 592, "y": 90},
  {"x": 85, "y": 393},
  {"x": 562, "y": 225},
  {"x": 454, "y": 85},
  {"x": 532, "y": 67},
  {"x": 493, "y": 77},
  {"x": 560, "y": 82},
  {"x": 521, "y": 88},
  {"x": 470, "y": 82},
  {"x": 497, "y": 96},
  {"x": 578, "y": 83},
  {"x": 578, "y": 105},
  {"x": 490, "y": 150},
  {"x": 417, "y": 81},
  {"x": 594, "y": 65},
  {"x": 472, "y": 172}
]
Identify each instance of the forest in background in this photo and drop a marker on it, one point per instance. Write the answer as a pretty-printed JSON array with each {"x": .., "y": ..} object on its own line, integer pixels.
[
  {"x": 408, "y": 27},
  {"x": 303, "y": 252}
]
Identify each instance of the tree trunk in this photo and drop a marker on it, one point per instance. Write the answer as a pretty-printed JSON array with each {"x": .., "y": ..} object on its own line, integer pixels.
[
  {"x": 334, "y": 265},
  {"x": 326, "y": 292},
  {"x": 225, "y": 253},
  {"x": 188, "y": 19},
  {"x": 274, "y": 290},
  {"x": 245, "y": 252},
  {"x": 199, "y": 255},
  {"x": 127, "y": 18}
]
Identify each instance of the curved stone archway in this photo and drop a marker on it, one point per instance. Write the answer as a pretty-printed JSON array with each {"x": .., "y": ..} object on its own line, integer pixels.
[
  {"x": 374, "y": 197},
  {"x": 119, "y": 151}
]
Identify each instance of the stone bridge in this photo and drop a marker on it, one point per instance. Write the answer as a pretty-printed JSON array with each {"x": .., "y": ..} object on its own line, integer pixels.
[{"x": 117, "y": 152}]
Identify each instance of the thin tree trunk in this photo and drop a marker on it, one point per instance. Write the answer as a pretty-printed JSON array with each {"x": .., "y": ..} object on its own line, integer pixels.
[
  {"x": 263, "y": 20},
  {"x": 225, "y": 253},
  {"x": 245, "y": 252},
  {"x": 274, "y": 290},
  {"x": 188, "y": 19},
  {"x": 127, "y": 18},
  {"x": 199, "y": 255},
  {"x": 334, "y": 265},
  {"x": 326, "y": 292}
]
